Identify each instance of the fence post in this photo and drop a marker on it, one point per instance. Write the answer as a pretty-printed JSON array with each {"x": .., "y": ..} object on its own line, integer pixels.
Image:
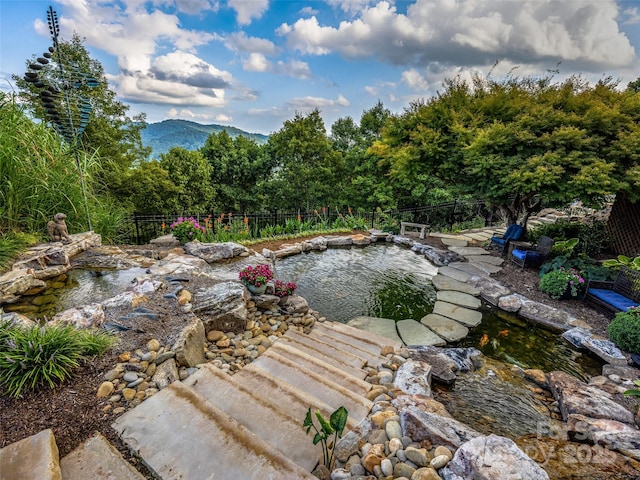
[
  {"x": 373, "y": 218},
  {"x": 135, "y": 221},
  {"x": 453, "y": 214}
]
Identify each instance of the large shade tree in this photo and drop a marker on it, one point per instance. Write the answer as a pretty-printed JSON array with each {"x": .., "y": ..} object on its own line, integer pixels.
[{"x": 521, "y": 142}]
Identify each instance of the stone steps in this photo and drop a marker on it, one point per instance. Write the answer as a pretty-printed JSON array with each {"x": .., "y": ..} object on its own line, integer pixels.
[{"x": 32, "y": 457}]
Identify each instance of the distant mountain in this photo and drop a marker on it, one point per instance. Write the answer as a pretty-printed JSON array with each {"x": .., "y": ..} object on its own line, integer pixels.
[{"x": 163, "y": 135}]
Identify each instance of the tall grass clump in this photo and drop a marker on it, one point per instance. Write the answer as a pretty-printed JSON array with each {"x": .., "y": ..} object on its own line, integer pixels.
[
  {"x": 11, "y": 244},
  {"x": 39, "y": 176},
  {"x": 44, "y": 355}
]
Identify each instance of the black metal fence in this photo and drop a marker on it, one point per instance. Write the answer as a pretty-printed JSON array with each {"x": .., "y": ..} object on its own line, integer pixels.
[{"x": 442, "y": 217}]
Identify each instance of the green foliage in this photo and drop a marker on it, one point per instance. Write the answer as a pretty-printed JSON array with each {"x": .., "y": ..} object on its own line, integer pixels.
[
  {"x": 187, "y": 229},
  {"x": 623, "y": 260},
  {"x": 624, "y": 330},
  {"x": 190, "y": 173},
  {"x": 592, "y": 236},
  {"x": 589, "y": 267},
  {"x": 335, "y": 426},
  {"x": 11, "y": 244},
  {"x": 37, "y": 356},
  {"x": 633, "y": 392},
  {"x": 564, "y": 247},
  {"x": 557, "y": 282}
]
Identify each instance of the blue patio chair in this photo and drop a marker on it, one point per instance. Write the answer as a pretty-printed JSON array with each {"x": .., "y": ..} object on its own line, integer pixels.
[
  {"x": 501, "y": 242},
  {"x": 532, "y": 256}
]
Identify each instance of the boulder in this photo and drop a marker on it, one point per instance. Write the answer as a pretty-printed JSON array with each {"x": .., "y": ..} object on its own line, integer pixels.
[
  {"x": 15, "y": 283},
  {"x": 548, "y": 316},
  {"x": 16, "y": 320},
  {"x": 491, "y": 457},
  {"x": 361, "y": 240},
  {"x": 490, "y": 289},
  {"x": 439, "y": 430},
  {"x": 266, "y": 302},
  {"x": 295, "y": 304},
  {"x": 81, "y": 317},
  {"x": 442, "y": 367},
  {"x": 166, "y": 373},
  {"x": 441, "y": 258},
  {"x": 342, "y": 241},
  {"x": 576, "y": 336},
  {"x": 414, "y": 377},
  {"x": 576, "y": 397},
  {"x": 214, "y": 252},
  {"x": 511, "y": 303},
  {"x": 287, "y": 251},
  {"x": 222, "y": 307},
  {"x": 189, "y": 346},
  {"x": 165, "y": 241},
  {"x": 606, "y": 350}
]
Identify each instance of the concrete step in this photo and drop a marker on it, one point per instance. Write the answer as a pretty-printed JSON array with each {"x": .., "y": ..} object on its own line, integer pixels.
[
  {"x": 34, "y": 457},
  {"x": 180, "y": 435},
  {"x": 326, "y": 358},
  {"x": 97, "y": 459},
  {"x": 323, "y": 388},
  {"x": 296, "y": 401},
  {"x": 320, "y": 348},
  {"x": 365, "y": 341},
  {"x": 254, "y": 410},
  {"x": 341, "y": 343}
]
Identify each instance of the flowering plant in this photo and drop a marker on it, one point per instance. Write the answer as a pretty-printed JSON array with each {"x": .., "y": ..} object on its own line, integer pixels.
[
  {"x": 187, "y": 229},
  {"x": 256, "y": 275},
  {"x": 282, "y": 288},
  {"x": 559, "y": 282}
]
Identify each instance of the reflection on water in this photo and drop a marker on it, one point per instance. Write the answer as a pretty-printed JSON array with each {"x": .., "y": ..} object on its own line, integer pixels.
[
  {"x": 517, "y": 342},
  {"x": 76, "y": 288},
  {"x": 379, "y": 281}
]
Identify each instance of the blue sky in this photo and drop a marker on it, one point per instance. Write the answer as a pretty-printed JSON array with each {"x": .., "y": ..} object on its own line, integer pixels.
[{"x": 254, "y": 64}]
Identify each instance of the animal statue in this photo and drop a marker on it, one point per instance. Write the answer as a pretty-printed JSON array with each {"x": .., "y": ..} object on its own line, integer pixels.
[{"x": 57, "y": 228}]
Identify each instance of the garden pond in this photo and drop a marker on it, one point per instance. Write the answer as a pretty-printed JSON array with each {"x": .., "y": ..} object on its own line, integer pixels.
[{"x": 389, "y": 281}]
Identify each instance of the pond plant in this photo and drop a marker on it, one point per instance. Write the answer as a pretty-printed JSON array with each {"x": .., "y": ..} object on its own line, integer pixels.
[{"x": 335, "y": 426}]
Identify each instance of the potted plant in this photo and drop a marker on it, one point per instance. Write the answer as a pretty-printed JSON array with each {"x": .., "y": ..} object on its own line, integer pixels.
[
  {"x": 563, "y": 283},
  {"x": 283, "y": 289},
  {"x": 255, "y": 277}
]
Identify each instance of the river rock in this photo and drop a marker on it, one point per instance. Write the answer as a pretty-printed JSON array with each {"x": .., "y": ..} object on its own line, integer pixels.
[
  {"x": 222, "y": 307},
  {"x": 189, "y": 346},
  {"x": 511, "y": 303},
  {"x": 492, "y": 458},
  {"x": 439, "y": 430},
  {"x": 576, "y": 397},
  {"x": 414, "y": 377}
]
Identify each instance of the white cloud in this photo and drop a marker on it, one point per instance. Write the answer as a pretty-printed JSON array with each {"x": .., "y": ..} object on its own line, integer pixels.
[
  {"x": 373, "y": 91},
  {"x": 194, "y": 7},
  {"x": 256, "y": 62},
  {"x": 187, "y": 114},
  {"x": 414, "y": 80},
  {"x": 310, "y": 103},
  {"x": 631, "y": 16},
  {"x": 308, "y": 11},
  {"x": 247, "y": 10},
  {"x": 240, "y": 42},
  {"x": 350, "y": 6},
  {"x": 584, "y": 34},
  {"x": 176, "y": 78}
]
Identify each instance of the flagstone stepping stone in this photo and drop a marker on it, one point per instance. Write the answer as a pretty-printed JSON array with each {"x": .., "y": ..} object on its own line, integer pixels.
[
  {"x": 465, "y": 251},
  {"x": 459, "y": 298},
  {"x": 454, "y": 242},
  {"x": 469, "y": 268},
  {"x": 442, "y": 282},
  {"x": 384, "y": 327},
  {"x": 490, "y": 259},
  {"x": 454, "y": 273},
  {"x": 479, "y": 237},
  {"x": 466, "y": 316},
  {"x": 447, "y": 328},
  {"x": 415, "y": 333},
  {"x": 483, "y": 235},
  {"x": 487, "y": 268}
]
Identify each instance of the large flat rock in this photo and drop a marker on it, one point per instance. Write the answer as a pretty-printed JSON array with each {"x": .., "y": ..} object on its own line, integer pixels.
[
  {"x": 466, "y": 316},
  {"x": 415, "y": 333},
  {"x": 469, "y": 268},
  {"x": 443, "y": 282},
  {"x": 454, "y": 242},
  {"x": 490, "y": 259},
  {"x": 179, "y": 435},
  {"x": 366, "y": 341},
  {"x": 458, "y": 298},
  {"x": 487, "y": 268},
  {"x": 454, "y": 273},
  {"x": 97, "y": 459},
  {"x": 447, "y": 328},
  {"x": 34, "y": 457},
  {"x": 383, "y": 327},
  {"x": 465, "y": 251}
]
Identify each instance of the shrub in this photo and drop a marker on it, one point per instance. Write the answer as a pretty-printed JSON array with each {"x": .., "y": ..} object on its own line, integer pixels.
[
  {"x": 624, "y": 330},
  {"x": 592, "y": 236},
  {"x": 32, "y": 357},
  {"x": 557, "y": 282},
  {"x": 187, "y": 229}
]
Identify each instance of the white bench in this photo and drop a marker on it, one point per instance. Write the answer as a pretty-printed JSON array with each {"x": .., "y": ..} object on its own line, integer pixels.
[{"x": 423, "y": 228}]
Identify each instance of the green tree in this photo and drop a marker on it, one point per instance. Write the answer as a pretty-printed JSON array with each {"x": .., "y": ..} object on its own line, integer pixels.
[
  {"x": 306, "y": 169},
  {"x": 238, "y": 166},
  {"x": 150, "y": 190},
  {"x": 111, "y": 137},
  {"x": 519, "y": 142},
  {"x": 190, "y": 172}
]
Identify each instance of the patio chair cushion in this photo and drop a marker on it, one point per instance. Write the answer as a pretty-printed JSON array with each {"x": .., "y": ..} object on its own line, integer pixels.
[
  {"x": 613, "y": 298},
  {"x": 528, "y": 254}
]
